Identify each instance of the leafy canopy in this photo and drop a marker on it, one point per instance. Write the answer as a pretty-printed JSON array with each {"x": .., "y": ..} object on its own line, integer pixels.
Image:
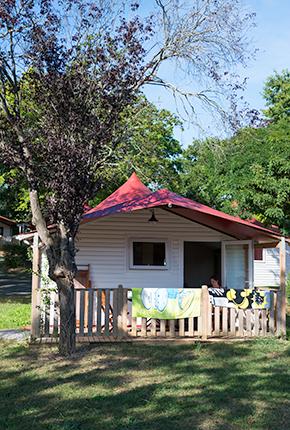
[
  {"x": 249, "y": 174},
  {"x": 277, "y": 95}
]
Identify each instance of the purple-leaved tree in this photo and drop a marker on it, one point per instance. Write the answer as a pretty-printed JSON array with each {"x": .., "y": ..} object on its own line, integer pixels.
[{"x": 68, "y": 68}]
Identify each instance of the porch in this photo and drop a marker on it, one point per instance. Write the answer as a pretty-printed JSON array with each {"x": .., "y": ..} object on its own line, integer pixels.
[{"x": 105, "y": 315}]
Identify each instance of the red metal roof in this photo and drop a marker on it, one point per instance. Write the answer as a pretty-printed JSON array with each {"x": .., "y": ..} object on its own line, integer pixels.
[
  {"x": 134, "y": 195},
  {"x": 131, "y": 190}
]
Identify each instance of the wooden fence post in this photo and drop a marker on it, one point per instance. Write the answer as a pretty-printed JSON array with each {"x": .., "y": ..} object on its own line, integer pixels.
[
  {"x": 204, "y": 311},
  {"x": 281, "y": 314},
  {"x": 35, "y": 293}
]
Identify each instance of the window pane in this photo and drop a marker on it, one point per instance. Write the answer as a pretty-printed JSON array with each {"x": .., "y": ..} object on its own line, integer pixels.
[
  {"x": 149, "y": 254},
  {"x": 258, "y": 252},
  {"x": 237, "y": 270}
]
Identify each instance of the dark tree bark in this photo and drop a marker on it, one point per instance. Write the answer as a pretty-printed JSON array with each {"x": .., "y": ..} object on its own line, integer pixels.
[
  {"x": 60, "y": 250},
  {"x": 67, "y": 337}
]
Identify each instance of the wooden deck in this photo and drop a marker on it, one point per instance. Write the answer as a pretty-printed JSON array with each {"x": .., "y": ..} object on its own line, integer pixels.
[{"x": 88, "y": 340}]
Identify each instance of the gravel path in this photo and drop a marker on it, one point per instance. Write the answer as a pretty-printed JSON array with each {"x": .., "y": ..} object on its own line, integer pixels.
[
  {"x": 15, "y": 284},
  {"x": 14, "y": 334}
]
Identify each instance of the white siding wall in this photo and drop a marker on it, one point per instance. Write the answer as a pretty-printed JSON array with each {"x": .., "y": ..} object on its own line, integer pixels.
[
  {"x": 7, "y": 231},
  {"x": 104, "y": 245},
  {"x": 267, "y": 272}
]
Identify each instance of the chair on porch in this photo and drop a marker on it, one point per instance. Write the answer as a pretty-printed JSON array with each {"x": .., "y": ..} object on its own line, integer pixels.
[{"x": 82, "y": 280}]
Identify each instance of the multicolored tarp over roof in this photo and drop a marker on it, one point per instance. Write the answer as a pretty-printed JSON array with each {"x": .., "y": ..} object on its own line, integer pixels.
[{"x": 134, "y": 195}]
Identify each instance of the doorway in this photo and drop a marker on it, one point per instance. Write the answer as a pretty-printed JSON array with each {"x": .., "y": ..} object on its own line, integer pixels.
[{"x": 201, "y": 261}]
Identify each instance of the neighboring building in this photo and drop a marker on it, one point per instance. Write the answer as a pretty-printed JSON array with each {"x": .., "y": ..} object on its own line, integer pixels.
[{"x": 6, "y": 229}]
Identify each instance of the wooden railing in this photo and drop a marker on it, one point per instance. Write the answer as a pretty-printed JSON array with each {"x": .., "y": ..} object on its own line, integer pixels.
[{"x": 106, "y": 314}]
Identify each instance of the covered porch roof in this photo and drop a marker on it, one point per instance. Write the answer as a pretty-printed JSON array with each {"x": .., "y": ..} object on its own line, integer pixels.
[
  {"x": 7, "y": 221},
  {"x": 133, "y": 195}
]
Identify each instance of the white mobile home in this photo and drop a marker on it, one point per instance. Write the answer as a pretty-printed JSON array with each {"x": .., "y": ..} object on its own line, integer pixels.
[
  {"x": 140, "y": 239},
  {"x": 194, "y": 243}
]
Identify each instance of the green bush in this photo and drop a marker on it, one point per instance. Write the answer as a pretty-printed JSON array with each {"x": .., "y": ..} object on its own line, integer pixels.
[{"x": 15, "y": 256}]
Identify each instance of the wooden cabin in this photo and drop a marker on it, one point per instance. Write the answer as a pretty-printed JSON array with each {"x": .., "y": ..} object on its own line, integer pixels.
[{"x": 139, "y": 239}]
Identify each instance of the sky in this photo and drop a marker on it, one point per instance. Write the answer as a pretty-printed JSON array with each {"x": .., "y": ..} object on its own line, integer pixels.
[{"x": 271, "y": 36}]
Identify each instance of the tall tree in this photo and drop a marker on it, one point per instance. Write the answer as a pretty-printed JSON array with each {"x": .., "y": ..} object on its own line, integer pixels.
[
  {"x": 277, "y": 95},
  {"x": 247, "y": 175},
  {"x": 147, "y": 146},
  {"x": 84, "y": 62}
]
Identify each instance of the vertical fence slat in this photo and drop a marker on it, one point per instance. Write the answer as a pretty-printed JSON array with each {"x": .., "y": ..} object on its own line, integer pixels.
[
  {"x": 190, "y": 327},
  {"x": 216, "y": 320},
  {"x": 107, "y": 312},
  {"x": 144, "y": 327},
  {"x": 278, "y": 314},
  {"x": 125, "y": 312},
  {"x": 202, "y": 322},
  {"x": 82, "y": 302},
  {"x": 281, "y": 309},
  {"x": 225, "y": 320},
  {"x": 263, "y": 322},
  {"x": 153, "y": 327},
  {"x": 181, "y": 327},
  {"x": 86, "y": 308},
  {"x": 90, "y": 311},
  {"x": 77, "y": 310},
  {"x": 134, "y": 327},
  {"x": 209, "y": 319},
  {"x": 120, "y": 305},
  {"x": 162, "y": 328},
  {"x": 172, "y": 328},
  {"x": 256, "y": 322},
  {"x": 241, "y": 323},
  {"x": 99, "y": 313},
  {"x": 115, "y": 312},
  {"x": 233, "y": 321},
  {"x": 272, "y": 315},
  {"x": 249, "y": 322},
  {"x": 35, "y": 293}
]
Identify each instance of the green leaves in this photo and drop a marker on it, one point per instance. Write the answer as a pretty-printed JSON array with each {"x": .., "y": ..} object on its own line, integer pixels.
[
  {"x": 147, "y": 146},
  {"x": 277, "y": 95},
  {"x": 248, "y": 175}
]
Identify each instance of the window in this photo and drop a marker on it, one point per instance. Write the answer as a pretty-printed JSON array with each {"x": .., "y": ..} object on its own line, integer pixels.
[
  {"x": 1, "y": 231},
  {"x": 148, "y": 254},
  {"x": 258, "y": 254}
]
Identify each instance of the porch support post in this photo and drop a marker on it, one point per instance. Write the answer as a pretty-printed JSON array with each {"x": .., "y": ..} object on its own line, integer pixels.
[
  {"x": 281, "y": 319},
  {"x": 35, "y": 296},
  {"x": 204, "y": 311}
]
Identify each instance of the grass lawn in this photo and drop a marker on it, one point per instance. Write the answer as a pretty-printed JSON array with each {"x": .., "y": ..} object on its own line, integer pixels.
[
  {"x": 241, "y": 385},
  {"x": 15, "y": 312}
]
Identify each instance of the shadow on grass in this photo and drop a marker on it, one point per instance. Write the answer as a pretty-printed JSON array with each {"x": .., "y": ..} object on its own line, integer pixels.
[
  {"x": 144, "y": 387},
  {"x": 14, "y": 299}
]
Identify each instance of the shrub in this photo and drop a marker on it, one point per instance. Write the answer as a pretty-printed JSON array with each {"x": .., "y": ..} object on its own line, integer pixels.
[{"x": 15, "y": 256}]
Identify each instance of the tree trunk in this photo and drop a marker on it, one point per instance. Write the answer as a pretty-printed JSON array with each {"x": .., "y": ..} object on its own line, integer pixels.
[
  {"x": 60, "y": 250},
  {"x": 67, "y": 337}
]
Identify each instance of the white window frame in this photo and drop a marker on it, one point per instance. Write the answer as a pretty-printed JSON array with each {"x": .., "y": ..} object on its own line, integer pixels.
[
  {"x": 250, "y": 243},
  {"x": 140, "y": 267}
]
